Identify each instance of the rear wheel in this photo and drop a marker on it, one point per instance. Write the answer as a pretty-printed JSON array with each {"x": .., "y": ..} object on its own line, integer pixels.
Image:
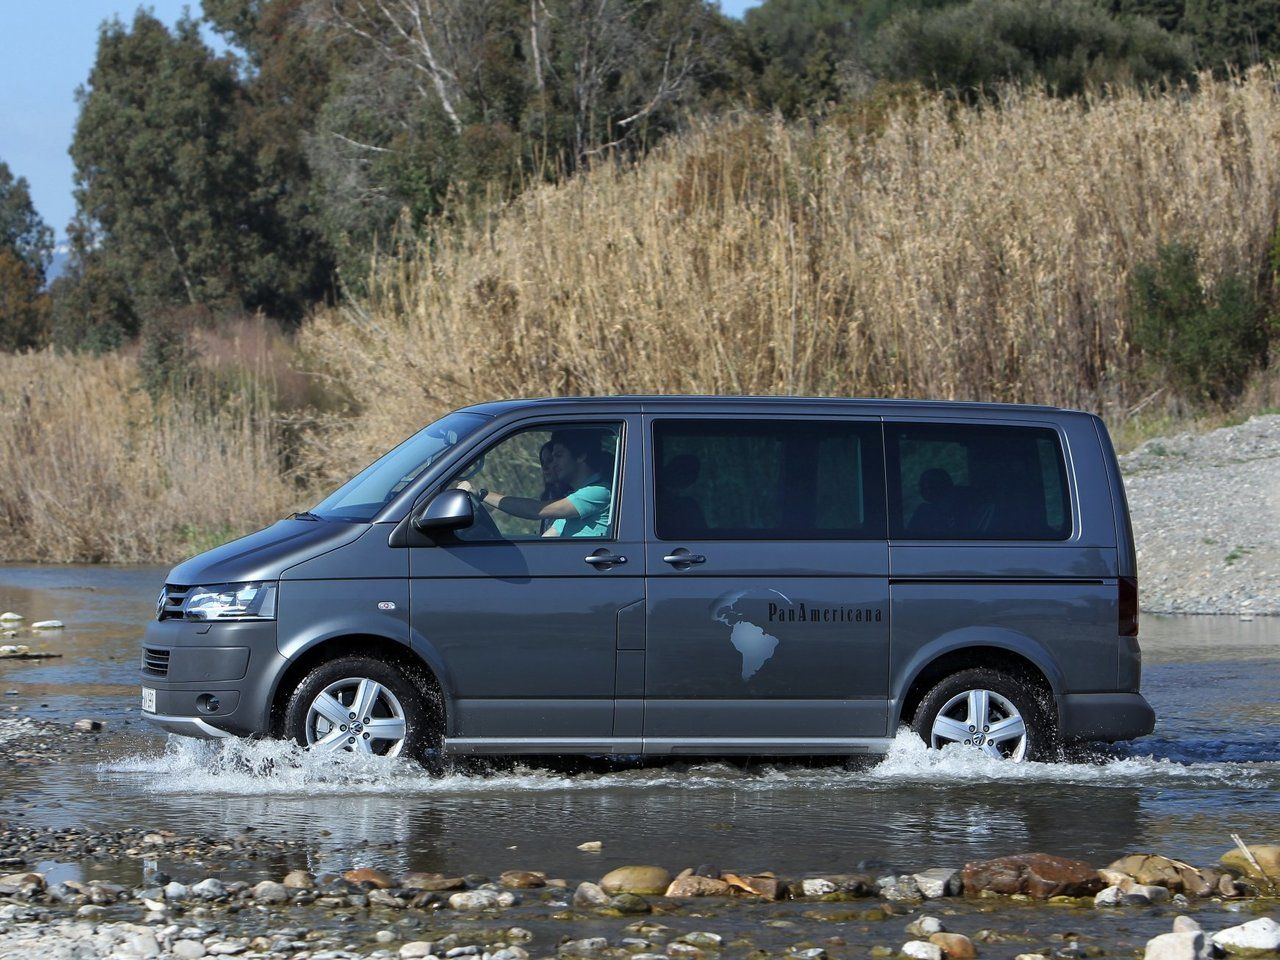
[
  {"x": 989, "y": 711},
  {"x": 362, "y": 706}
]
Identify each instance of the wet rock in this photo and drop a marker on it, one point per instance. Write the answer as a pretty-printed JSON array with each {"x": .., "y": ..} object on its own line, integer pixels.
[
  {"x": 921, "y": 950},
  {"x": 1186, "y": 925},
  {"x": 86, "y": 725},
  {"x": 695, "y": 885},
  {"x": 1154, "y": 870},
  {"x": 817, "y": 887},
  {"x": 630, "y": 903},
  {"x": 474, "y": 900},
  {"x": 510, "y": 953},
  {"x": 385, "y": 899},
  {"x": 10, "y": 617},
  {"x": 955, "y": 945},
  {"x": 368, "y": 877},
  {"x": 685, "y": 951},
  {"x": 48, "y": 625},
  {"x": 707, "y": 870},
  {"x": 299, "y": 880},
  {"x": 1258, "y": 935},
  {"x": 922, "y": 928},
  {"x": 432, "y": 881},
  {"x": 523, "y": 879},
  {"x": 938, "y": 883},
  {"x": 810, "y": 953},
  {"x": 1035, "y": 875},
  {"x": 416, "y": 949},
  {"x": 1140, "y": 893},
  {"x": 268, "y": 891},
  {"x": 1176, "y": 946},
  {"x": 586, "y": 947},
  {"x": 176, "y": 891},
  {"x": 591, "y": 846},
  {"x": 210, "y": 889},
  {"x": 703, "y": 938},
  {"x": 590, "y": 895},
  {"x": 1266, "y": 855},
  {"x": 898, "y": 889},
  {"x": 636, "y": 879},
  {"x": 1110, "y": 897},
  {"x": 188, "y": 949},
  {"x": 763, "y": 885}
]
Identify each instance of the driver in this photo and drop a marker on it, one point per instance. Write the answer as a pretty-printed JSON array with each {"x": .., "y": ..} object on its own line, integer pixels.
[{"x": 579, "y": 462}]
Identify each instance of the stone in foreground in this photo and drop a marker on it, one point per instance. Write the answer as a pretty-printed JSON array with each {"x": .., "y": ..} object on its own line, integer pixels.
[
  {"x": 1176, "y": 946},
  {"x": 635, "y": 879},
  {"x": 1037, "y": 875},
  {"x": 1262, "y": 934}
]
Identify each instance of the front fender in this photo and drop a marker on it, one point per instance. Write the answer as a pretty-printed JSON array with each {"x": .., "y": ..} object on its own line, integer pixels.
[{"x": 1000, "y": 638}]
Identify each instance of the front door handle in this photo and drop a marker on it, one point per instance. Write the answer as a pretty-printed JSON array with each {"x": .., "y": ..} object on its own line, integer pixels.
[
  {"x": 605, "y": 559},
  {"x": 682, "y": 559}
]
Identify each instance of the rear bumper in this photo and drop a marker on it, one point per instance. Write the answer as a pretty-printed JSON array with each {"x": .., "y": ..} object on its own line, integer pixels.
[{"x": 1104, "y": 716}]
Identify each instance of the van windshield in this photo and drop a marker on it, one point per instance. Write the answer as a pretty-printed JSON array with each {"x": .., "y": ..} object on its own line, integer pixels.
[{"x": 361, "y": 497}]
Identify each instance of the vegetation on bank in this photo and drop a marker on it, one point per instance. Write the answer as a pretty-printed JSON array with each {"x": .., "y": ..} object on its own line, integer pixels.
[{"x": 1023, "y": 248}]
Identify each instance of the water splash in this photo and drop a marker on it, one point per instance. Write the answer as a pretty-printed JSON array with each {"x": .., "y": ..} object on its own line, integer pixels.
[{"x": 237, "y": 767}]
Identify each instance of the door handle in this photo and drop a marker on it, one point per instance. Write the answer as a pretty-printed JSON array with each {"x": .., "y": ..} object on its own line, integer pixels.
[
  {"x": 682, "y": 558},
  {"x": 605, "y": 559}
]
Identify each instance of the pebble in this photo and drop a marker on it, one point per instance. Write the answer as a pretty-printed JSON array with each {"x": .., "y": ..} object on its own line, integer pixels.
[
  {"x": 591, "y": 846},
  {"x": 474, "y": 900},
  {"x": 268, "y": 891},
  {"x": 925, "y": 927},
  {"x": 10, "y": 617},
  {"x": 1187, "y": 945},
  {"x": 584, "y": 947},
  {"x": 921, "y": 950},
  {"x": 188, "y": 949},
  {"x": 1262, "y": 934},
  {"x": 48, "y": 625},
  {"x": 210, "y": 889},
  {"x": 416, "y": 948}
]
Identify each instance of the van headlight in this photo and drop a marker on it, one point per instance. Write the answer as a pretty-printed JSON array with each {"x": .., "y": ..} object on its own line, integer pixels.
[{"x": 231, "y": 601}]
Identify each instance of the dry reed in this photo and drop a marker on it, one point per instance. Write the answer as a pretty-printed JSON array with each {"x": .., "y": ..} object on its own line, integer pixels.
[
  {"x": 92, "y": 470},
  {"x": 979, "y": 253}
]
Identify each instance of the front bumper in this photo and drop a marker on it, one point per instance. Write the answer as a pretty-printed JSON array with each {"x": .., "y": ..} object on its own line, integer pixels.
[
  {"x": 1104, "y": 716},
  {"x": 233, "y": 664}
]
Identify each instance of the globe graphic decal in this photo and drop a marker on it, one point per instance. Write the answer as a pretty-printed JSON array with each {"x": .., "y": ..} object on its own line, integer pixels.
[{"x": 748, "y": 638}]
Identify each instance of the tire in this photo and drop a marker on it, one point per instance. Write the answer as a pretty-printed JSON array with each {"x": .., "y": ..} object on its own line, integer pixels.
[
  {"x": 402, "y": 722},
  {"x": 946, "y": 713}
]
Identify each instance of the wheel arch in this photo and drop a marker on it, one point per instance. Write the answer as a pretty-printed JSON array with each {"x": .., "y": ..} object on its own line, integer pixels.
[{"x": 1003, "y": 650}]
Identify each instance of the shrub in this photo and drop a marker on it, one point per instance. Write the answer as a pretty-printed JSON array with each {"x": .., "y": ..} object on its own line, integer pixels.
[{"x": 1205, "y": 340}]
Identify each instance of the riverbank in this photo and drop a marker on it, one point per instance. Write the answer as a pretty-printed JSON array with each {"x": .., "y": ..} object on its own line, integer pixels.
[{"x": 1206, "y": 518}]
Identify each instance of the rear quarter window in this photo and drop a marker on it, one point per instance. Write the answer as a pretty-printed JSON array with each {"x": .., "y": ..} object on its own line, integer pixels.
[{"x": 955, "y": 481}]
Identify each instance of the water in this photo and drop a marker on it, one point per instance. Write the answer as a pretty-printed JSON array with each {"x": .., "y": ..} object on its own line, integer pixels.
[{"x": 1212, "y": 768}]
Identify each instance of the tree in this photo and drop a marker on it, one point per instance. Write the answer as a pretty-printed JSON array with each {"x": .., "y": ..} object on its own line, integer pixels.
[
  {"x": 1069, "y": 45},
  {"x": 26, "y": 246},
  {"x": 1223, "y": 33}
]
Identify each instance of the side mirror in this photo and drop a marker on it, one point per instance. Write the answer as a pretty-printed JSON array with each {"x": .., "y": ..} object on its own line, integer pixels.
[{"x": 448, "y": 510}]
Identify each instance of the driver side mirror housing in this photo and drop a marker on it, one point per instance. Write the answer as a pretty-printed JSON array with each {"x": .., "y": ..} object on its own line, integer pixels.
[{"x": 447, "y": 510}]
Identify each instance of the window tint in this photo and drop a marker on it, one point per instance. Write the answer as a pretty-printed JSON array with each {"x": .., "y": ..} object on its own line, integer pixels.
[
  {"x": 976, "y": 482},
  {"x": 543, "y": 465},
  {"x": 768, "y": 480}
]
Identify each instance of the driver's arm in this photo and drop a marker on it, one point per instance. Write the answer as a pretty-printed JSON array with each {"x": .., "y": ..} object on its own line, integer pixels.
[{"x": 531, "y": 509}]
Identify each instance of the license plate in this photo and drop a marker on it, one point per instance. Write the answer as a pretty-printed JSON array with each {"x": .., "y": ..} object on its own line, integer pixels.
[{"x": 148, "y": 700}]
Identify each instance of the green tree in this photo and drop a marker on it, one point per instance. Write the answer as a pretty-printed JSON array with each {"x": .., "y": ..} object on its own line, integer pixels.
[
  {"x": 1223, "y": 33},
  {"x": 26, "y": 246},
  {"x": 1069, "y": 45},
  {"x": 162, "y": 182}
]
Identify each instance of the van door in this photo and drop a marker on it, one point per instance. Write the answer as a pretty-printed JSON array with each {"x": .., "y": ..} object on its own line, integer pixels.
[
  {"x": 767, "y": 567},
  {"x": 524, "y": 613}
]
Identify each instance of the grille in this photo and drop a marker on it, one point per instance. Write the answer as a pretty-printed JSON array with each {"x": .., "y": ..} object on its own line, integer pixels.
[
  {"x": 155, "y": 663},
  {"x": 171, "y": 609}
]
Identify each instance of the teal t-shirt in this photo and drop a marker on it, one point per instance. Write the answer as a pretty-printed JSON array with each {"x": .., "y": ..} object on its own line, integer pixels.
[{"x": 594, "y": 503}]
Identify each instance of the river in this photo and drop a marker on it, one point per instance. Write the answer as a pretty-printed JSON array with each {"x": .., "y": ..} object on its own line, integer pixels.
[{"x": 1212, "y": 768}]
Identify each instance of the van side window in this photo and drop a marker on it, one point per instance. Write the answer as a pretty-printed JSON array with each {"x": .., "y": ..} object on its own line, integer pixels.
[
  {"x": 955, "y": 481},
  {"x": 547, "y": 466},
  {"x": 768, "y": 480}
]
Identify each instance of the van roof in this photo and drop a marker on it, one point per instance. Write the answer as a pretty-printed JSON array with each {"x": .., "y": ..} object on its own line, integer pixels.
[{"x": 653, "y": 402}]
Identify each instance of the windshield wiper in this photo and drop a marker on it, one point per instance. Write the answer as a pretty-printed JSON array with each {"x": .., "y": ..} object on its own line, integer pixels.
[{"x": 304, "y": 515}]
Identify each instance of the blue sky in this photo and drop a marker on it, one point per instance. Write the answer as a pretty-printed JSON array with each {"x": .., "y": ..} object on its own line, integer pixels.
[{"x": 46, "y": 50}]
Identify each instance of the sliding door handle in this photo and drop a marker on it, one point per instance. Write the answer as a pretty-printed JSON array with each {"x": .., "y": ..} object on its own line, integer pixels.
[{"x": 682, "y": 559}]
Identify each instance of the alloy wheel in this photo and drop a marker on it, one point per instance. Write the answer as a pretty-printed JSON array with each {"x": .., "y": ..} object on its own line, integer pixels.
[
  {"x": 356, "y": 715},
  {"x": 984, "y": 720}
]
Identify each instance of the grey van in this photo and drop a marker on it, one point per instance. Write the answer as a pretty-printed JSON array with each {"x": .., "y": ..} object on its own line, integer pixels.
[{"x": 664, "y": 575}]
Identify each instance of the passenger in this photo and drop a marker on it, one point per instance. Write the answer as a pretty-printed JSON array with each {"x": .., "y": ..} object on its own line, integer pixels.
[
  {"x": 578, "y": 462},
  {"x": 552, "y": 489}
]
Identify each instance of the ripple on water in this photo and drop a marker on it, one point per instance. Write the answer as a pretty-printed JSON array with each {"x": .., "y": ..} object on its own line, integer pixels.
[{"x": 237, "y": 767}]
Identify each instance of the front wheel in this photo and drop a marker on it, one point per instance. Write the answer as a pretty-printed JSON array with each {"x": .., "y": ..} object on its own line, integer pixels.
[
  {"x": 988, "y": 710},
  {"x": 362, "y": 706}
]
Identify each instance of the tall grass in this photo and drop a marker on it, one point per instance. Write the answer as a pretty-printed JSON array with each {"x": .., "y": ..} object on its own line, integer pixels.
[
  {"x": 939, "y": 251},
  {"x": 92, "y": 469}
]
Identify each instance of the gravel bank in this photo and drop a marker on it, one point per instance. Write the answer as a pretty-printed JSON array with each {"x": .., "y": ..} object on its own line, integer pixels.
[{"x": 1206, "y": 516}]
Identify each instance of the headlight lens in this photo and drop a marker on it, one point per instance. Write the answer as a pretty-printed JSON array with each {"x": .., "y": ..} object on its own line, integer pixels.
[{"x": 231, "y": 601}]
